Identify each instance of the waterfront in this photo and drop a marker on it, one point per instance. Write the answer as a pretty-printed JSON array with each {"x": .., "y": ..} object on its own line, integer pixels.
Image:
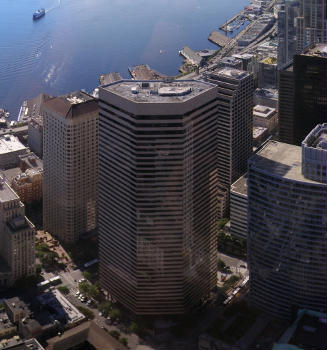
[{"x": 77, "y": 41}]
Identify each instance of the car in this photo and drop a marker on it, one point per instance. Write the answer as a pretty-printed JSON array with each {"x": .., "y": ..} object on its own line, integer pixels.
[
  {"x": 243, "y": 266},
  {"x": 100, "y": 313},
  {"x": 77, "y": 293},
  {"x": 89, "y": 302}
]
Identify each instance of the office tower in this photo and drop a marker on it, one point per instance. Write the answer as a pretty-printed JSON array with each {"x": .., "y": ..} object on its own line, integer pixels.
[
  {"x": 70, "y": 160},
  {"x": 303, "y": 94},
  {"x": 158, "y": 193},
  {"x": 239, "y": 208},
  {"x": 311, "y": 23},
  {"x": 287, "y": 225},
  {"x": 235, "y": 123},
  {"x": 286, "y": 31},
  {"x": 17, "y": 235}
]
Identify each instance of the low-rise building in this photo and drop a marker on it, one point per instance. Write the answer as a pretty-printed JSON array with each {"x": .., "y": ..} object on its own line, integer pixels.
[
  {"x": 238, "y": 208},
  {"x": 19, "y": 344},
  {"x": 7, "y": 328},
  {"x": 29, "y": 183},
  {"x": 266, "y": 117},
  {"x": 266, "y": 97},
  {"x": 10, "y": 150},
  {"x": 260, "y": 134},
  {"x": 16, "y": 309}
]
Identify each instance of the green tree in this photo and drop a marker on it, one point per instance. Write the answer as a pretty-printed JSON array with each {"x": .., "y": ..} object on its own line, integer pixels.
[
  {"x": 86, "y": 312},
  {"x": 221, "y": 223},
  {"x": 114, "y": 334},
  {"x": 134, "y": 328},
  {"x": 87, "y": 275},
  {"x": 94, "y": 291},
  {"x": 84, "y": 287},
  {"x": 115, "y": 313},
  {"x": 38, "y": 269},
  {"x": 123, "y": 340},
  {"x": 105, "y": 308},
  {"x": 63, "y": 289}
]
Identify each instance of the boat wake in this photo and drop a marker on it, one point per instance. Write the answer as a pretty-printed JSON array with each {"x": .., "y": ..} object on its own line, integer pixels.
[{"x": 53, "y": 8}]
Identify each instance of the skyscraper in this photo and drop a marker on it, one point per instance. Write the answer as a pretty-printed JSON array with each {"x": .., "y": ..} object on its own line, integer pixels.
[
  {"x": 287, "y": 226},
  {"x": 158, "y": 193},
  {"x": 311, "y": 23},
  {"x": 303, "y": 94},
  {"x": 17, "y": 237},
  {"x": 70, "y": 159},
  {"x": 286, "y": 31},
  {"x": 235, "y": 124}
]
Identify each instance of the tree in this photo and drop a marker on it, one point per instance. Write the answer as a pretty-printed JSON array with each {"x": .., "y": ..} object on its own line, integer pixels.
[
  {"x": 221, "y": 265},
  {"x": 87, "y": 275},
  {"x": 123, "y": 341},
  {"x": 105, "y": 308},
  {"x": 222, "y": 223},
  {"x": 134, "y": 328},
  {"x": 94, "y": 291},
  {"x": 84, "y": 287},
  {"x": 63, "y": 289},
  {"x": 114, "y": 334},
  {"x": 115, "y": 313},
  {"x": 86, "y": 312},
  {"x": 38, "y": 269}
]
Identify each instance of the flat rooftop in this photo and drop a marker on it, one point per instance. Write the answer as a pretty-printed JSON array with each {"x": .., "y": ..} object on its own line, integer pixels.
[
  {"x": 319, "y": 50},
  {"x": 10, "y": 143},
  {"x": 7, "y": 193},
  {"x": 231, "y": 73},
  {"x": 263, "y": 111},
  {"x": 240, "y": 186},
  {"x": 281, "y": 159},
  {"x": 317, "y": 138},
  {"x": 158, "y": 91},
  {"x": 258, "y": 131}
]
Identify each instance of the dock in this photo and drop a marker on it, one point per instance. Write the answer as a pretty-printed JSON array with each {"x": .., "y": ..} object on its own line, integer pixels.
[
  {"x": 109, "y": 78},
  {"x": 191, "y": 56},
  {"x": 218, "y": 38},
  {"x": 145, "y": 72}
]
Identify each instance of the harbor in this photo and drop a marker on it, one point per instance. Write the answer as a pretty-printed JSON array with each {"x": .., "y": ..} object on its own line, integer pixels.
[{"x": 145, "y": 72}]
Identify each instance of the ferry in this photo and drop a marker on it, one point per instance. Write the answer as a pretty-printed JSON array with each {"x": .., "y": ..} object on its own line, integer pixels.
[{"x": 38, "y": 14}]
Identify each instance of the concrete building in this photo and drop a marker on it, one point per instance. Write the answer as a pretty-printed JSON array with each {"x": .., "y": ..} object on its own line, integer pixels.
[
  {"x": 70, "y": 157},
  {"x": 231, "y": 62},
  {"x": 238, "y": 208},
  {"x": 28, "y": 184},
  {"x": 265, "y": 117},
  {"x": 16, "y": 237},
  {"x": 158, "y": 193},
  {"x": 267, "y": 73},
  {"x": 314, "y": 154},
  {"x": 266, "y": 97},
  {"x": 10, "y": 150},
  {"x": 287, "y": 225},
  {"x": 26, "y": 344},
  {"x": 235, "y": 121},
  {"x": 286, "y": 31},
  {"x": 311, "y": 23}
]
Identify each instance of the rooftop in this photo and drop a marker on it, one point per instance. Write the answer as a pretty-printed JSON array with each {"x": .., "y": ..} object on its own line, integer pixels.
[
  {"x": 29, "y": 344},
  {"x": 319, "y": 50},
  {"x": 240, "y": 186},
  {"x": 10, "y": 143},
  {"x": 31, "y": 161},
  {"x": 158, "y": 91},
  {"x": 72, "y": 104},
  {"x": 281, "y": 159},
  {"x": 6, "y": 192},
  {"x": 317, "y": 138},
  {"x": 109, "y": 78},
  {"x": 258, "y": 131},
  {"x": 263, "y": 111},
  {"x": 231, "y": 73}
]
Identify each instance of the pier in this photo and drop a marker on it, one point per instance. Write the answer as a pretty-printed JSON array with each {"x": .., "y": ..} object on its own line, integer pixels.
[
  {"x": 191, "y": 56},
  {"x": 109, "y": 78},
  {"x": 218, "y": 38},
  {"x": 144, "y": 72}
]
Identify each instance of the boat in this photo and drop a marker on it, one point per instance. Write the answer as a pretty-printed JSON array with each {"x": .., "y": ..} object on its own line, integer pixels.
[{"x": 38, "y": 14}]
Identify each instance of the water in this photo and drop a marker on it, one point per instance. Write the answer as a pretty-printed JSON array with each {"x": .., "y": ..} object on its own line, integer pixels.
[{"x": 78, "y": 40}]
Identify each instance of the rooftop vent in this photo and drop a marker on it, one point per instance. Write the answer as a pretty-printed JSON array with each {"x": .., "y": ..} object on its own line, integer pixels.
[{"x": 134, "y": 90}]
